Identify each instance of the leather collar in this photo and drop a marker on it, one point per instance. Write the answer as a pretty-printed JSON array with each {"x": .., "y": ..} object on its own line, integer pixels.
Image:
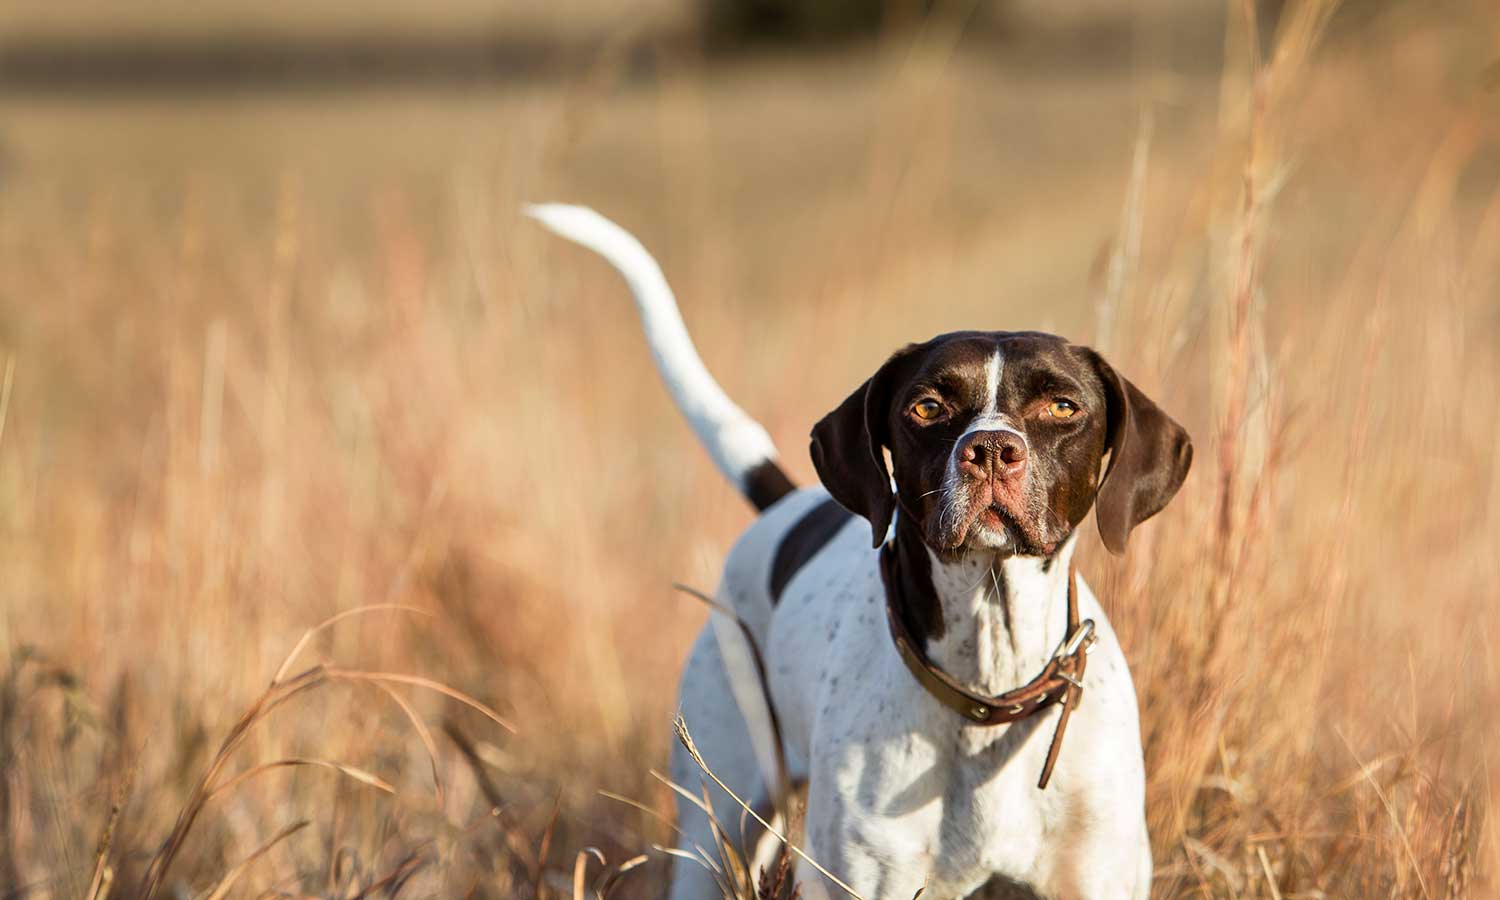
[{"x": 1059, "y": 682}]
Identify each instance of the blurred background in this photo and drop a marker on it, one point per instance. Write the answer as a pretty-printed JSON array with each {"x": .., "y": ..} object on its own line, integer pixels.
[{"x": 276, "y": 346}]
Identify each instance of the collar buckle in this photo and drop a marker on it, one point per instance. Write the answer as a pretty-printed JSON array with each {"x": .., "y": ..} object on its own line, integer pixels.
[{"x": 1083, "y": 638}]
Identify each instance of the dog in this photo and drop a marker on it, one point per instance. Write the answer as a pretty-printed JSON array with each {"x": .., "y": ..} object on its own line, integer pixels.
[{"x": 926, "y": 643}]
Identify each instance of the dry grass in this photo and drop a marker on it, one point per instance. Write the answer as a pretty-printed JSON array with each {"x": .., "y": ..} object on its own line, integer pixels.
[{"x": 270, "y": 360}]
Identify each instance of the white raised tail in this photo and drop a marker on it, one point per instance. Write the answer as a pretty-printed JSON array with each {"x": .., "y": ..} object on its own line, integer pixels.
[{"x": 739, "y": 445}]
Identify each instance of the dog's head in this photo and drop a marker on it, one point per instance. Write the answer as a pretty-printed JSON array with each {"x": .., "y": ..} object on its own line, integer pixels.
[{"x": 997, "y": 442}]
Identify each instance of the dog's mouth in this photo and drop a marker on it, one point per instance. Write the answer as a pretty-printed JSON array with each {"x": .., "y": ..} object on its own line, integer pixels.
[
  {"x": 985, "y": 523},
  {"x": 981, "y": 521},
  {"x": 995, "y": 518},
  {"x": 994, "y": 526}
]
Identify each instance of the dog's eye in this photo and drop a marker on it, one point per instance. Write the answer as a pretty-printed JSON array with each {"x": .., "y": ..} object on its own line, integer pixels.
[
  {"x": 1061, "y": 409},
  {"x": 927, "y": 410}
]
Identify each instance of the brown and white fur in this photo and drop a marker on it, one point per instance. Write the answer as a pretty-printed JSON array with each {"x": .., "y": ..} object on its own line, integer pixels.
[{"x": 1000, "y": 443}]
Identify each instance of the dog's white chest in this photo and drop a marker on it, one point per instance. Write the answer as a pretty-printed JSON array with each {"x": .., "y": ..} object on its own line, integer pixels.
[
  {"x": 923, "y": 795},
  {"x": 928, "y": 798}
]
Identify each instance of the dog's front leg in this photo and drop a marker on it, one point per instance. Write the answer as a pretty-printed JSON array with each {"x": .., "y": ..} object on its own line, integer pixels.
[
  {"x": 868, "y": 873},
  {"x": 867, "y": 853},
  {"x": 1102, "y": 864}
]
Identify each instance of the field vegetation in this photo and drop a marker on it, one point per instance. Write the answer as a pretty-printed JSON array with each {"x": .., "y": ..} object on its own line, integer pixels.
[{"x": 271, "y": 358}]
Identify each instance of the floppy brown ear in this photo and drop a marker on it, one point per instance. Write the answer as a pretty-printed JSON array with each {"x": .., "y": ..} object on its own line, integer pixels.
[
  {"x": 1149, "y": 457},
  {"x": 848, "y": 451}
]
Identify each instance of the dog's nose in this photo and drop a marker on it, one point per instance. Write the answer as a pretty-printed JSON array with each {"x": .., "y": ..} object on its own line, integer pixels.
[{"x": 998, "y": 453}]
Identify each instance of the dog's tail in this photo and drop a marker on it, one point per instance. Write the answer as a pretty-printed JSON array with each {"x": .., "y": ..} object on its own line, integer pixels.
[{"x": 740, "y": 447}]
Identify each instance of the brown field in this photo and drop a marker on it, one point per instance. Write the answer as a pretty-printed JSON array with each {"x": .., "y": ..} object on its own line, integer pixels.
[{"x": 267, "y": 357}]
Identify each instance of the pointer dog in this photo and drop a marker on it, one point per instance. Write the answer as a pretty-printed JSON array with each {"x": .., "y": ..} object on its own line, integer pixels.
[{"x": 922, "y": 687}]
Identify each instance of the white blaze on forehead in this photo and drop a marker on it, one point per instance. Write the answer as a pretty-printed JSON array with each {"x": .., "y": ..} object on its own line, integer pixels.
[
  {"x": 989, "y": 418},
  {"x": 992, "y": 384}
]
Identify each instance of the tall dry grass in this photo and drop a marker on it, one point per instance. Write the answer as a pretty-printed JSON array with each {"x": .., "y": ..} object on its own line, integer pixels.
[{"x": 273, "y": 361}]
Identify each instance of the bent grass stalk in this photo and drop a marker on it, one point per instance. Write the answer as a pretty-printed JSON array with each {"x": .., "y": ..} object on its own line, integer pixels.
[
  {"x": 281, "y": 690},
  {"x": 686, "y": 739}
]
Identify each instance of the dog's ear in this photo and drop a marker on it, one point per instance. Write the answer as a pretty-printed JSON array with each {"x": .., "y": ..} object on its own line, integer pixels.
[
  {"x": 1149, "y": 456},
  {"x": 848, "y": 449}
]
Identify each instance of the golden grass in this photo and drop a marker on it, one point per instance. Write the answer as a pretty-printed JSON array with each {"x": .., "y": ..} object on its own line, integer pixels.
[{"x": 272, "y": 360}]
